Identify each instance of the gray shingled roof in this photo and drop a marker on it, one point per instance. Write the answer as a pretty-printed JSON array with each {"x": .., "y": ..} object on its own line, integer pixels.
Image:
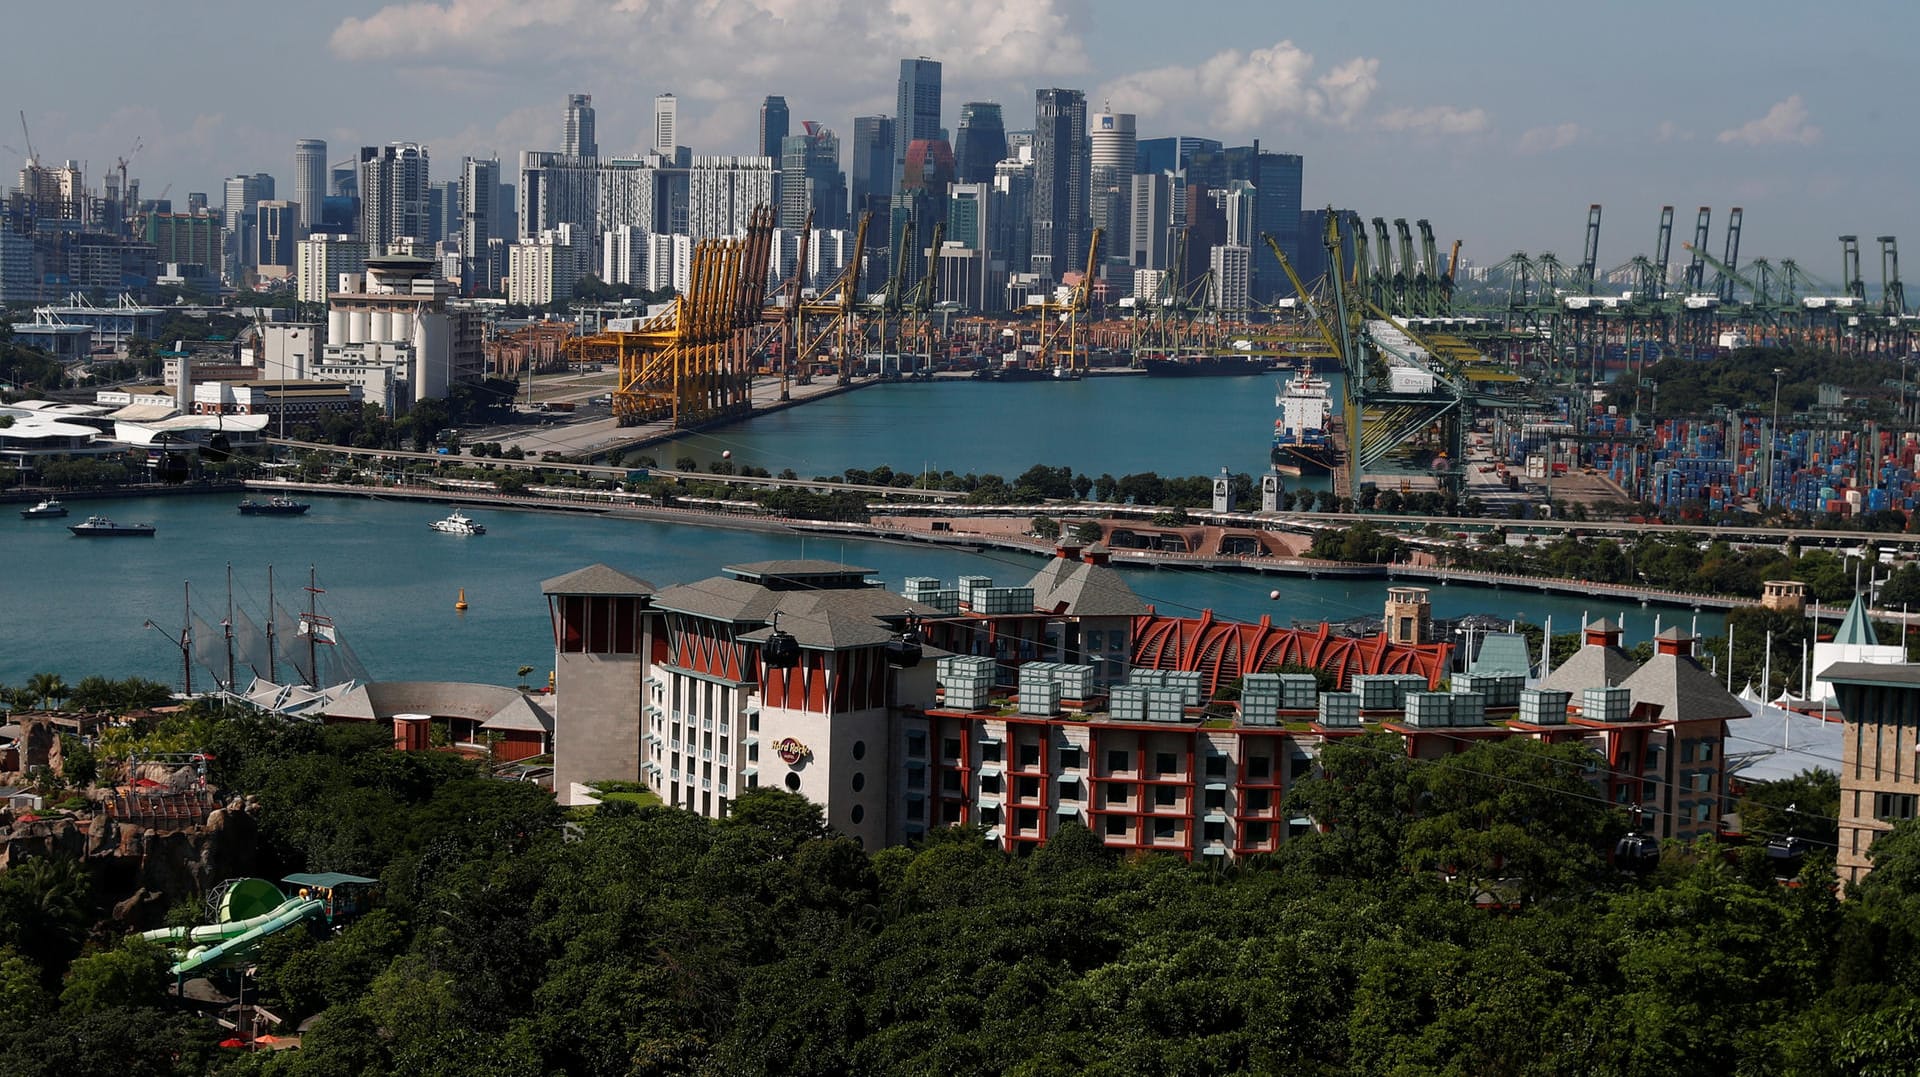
[
  {"x": 798, "y": 567},
  {"x": 1592, "y": 666},
  {"x": 719, "y": 597},
  {"x": 1083, "y": 589},
  {"x": 1901, "y": 674},
  {"x": 841, "y": 617},
  {"x": 1683, "y": 690},
  {"x": 597, "y": 579},
  {"x": 483, "y": 703}
]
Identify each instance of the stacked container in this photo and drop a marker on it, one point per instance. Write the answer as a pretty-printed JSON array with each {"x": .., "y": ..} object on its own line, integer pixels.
[
  {"x": 970, "y": 584},
  {"x": 1188, "y": 683},
  {"x": 968, "y": 681},
  {"x": 1544, "y": 706},
  {"x": 1001, "y": 600},
  {"x": 1340, "y": 710},
  {"x": 1298, "y": 691},
  {"x": 1469, "y": 708},
  {"x": 1260, "y": 698},
  {"x": 1429, "y": 710},
  {"x": 1166, "y": 705},
  {"x": 1128, "y": 702},
  {"x": 1606, "y": 704},
  {"x": 1378, "y": 692},
  {"x": 1041, "y": 700}
]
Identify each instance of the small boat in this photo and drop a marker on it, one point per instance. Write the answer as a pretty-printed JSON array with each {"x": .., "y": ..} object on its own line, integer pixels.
[
  {"x": 458, "y": 523},
  {"x": 101, "y": 527},
  {"x": 274, "y": 506},
  {"x": 45, "y": 510}
]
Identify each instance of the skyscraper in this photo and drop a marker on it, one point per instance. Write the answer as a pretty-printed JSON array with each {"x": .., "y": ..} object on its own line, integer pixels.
[
  {"x": 666, "y": 124},
  {"x": 276, "y": 231},
  {"x": 871, "y": 170},
  {"x": 393, "y": 194},
  {"x": 242, "y": 194},
  {"x": 773, "y": 125},
  {"x": 981, "y": 142},
  {"x": 479, "y": 224},
  {"x": 1152, "y": 212},
  {"x": 309, "y": 179},
  {"x": 1276, "y": 180},
  {"x": 811, "y": 180},
  {"x": 1061, "y": 179},
  {"x": 579, "y": 135},
  {"x": 917, "y": 114}
]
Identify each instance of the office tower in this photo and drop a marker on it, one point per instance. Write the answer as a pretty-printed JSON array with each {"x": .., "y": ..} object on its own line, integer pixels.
[
  {"x": 1061, "y": 179},
  {"x": 811, "y": 179},
  {"x": 1228, "y": 268},
  {"x": 393, "y": 194},
  {"x": 1151, "y": 203},
  {"x": 479, "y": 222},
  {"x": 917, "y": 114},
  {"x": 773, "y": 125},
  {"x": 443, "y": 211},
  {"x": 666, "y": 124},
  {"x": 773, "y": 137},
  {"x": 1171, "y": 154},
  {"x": 242, "y": 194},
  {"x": 1010, "y": 212},
  {"x": 579, "y": 141},
  {"x": 310, "y": 179},
  {"x": 197, "y": 201},
  {"x": 970, "y": 215},
  {"x": 1276, "y": 180},
  {"x": 344, "y": 181},
  {"x": 981, "y": 142},
  {"x": 922, "y": 200},
  {"x": 276, "y": 230},
  {"x": 1114, "y": 144},
  {"x": 871, "y": 170}
]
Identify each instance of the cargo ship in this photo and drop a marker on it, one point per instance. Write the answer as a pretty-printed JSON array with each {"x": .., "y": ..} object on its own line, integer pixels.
[
  {"x": 1302, "y": 441},
  {"x": 1229, "y": 365}
]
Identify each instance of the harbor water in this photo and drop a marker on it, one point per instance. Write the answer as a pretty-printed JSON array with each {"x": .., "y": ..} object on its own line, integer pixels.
[{"x": 77, "y": 606}]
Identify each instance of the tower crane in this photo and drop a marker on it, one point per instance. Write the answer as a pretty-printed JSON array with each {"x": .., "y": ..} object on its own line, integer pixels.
[
  {"x": 1053, "y": 315},
  {"x": 1406, "y": 281},
  {"x": 1590, "y": 259},
  {"x": 1696, "y": 267},
  {"x": 839, "y": 304},
  {"x": 1731, "y": 256},
  {"x": 1661, "y": 247},
  {"x": 1850, "y": 268},
  {"x": 1893, "y": 294}
]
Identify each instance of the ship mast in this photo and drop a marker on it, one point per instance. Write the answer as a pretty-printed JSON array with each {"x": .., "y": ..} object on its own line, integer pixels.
[
  {"x": 227, "y": 626},
  {"x": 186, "y": 640},
  {"x": 273, "y": 674}
]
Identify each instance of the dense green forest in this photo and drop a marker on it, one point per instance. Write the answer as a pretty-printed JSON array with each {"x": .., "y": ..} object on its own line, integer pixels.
[{"x": 642, "y": 940}]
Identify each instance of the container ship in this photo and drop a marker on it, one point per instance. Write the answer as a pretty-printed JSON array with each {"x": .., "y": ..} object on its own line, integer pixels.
[
  {"x": 1302, "y": 442},
  {"x": 1231, "y": 364}
]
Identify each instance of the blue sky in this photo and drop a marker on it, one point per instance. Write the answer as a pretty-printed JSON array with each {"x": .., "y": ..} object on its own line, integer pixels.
[{"x": 1498, "y": 121}]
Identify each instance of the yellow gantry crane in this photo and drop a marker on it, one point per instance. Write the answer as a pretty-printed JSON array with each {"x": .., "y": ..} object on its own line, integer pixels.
[
  {"x": 1064, "y": 319},
  {"x": 692, "y": 363}
]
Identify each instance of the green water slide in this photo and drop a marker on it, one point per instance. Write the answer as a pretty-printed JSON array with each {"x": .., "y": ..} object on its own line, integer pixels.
[{"x": 238, "y": 938}]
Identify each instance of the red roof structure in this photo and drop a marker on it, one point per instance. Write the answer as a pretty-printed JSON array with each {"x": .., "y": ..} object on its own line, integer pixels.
[{"x": 1228, "y": 650}]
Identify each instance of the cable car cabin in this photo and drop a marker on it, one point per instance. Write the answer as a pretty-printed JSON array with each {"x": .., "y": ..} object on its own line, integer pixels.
[
  {"x": 1786, "y": 855},
  {"x": 344, "y": 895},
  {"x": 1637, "y": 853},
  {"x": 903, "y": 651},
  {"x": 781, "y": 650}
]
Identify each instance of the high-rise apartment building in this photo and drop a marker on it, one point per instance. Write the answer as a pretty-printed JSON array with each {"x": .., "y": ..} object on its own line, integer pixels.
[
  {"x": 981, "y": 142},
  {"x": 917, "y": 114},
  {"x": 871, "y": 170},
  {"x": 773, "y": 125},
  {"x": 276, "y": 230},
  {"x": 1062, "y": 177},
  {"x": 479, "y": 224},
  {"x": 666, "y": 124},
  {"x": 321, "y": 259},
  {"x": 623, "y": 255},
  {"x": 811, "y": 179},
  {"x": 393, "y": 194},
  {"x": 310, "y": 179},
  {"x": 1010, "y": 212},
  {"x": 1229, "y": 267},
  {"x": 579, "y": 140},
  {"x": 443, "y": 211},
  {"x": 722, "y": 193},
  {"x": 242, "y": 194}
]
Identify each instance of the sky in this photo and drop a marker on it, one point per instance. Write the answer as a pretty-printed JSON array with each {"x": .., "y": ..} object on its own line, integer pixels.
[{"x": 1498, "y": 121}]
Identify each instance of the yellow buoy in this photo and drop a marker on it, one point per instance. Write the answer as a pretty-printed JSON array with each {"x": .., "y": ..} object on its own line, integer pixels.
[{"x": 462, "y": 603}]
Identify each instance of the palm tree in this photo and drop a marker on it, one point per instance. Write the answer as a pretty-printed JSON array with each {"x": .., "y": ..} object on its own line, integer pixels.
[{"x": 47, "y": 688}]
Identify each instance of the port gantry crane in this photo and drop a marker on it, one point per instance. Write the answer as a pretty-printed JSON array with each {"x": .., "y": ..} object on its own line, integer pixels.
[
  {"x": 1064, "y": 319},
  {"x": 692, "y": 363},
  {"x": 838, "y": 306}
]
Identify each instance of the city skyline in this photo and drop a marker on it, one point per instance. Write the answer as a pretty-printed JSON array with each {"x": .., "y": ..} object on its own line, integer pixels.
[{"x": 1490, "y": 133}]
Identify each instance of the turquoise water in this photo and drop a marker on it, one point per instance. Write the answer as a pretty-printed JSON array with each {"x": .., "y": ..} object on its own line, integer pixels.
[
  {"x": 75, "y": 606},
  {"x": 1116, "y": 425}
]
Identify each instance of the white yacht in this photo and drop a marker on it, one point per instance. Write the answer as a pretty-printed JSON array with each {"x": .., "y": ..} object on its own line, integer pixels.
[{"x": 458, "y": 523}]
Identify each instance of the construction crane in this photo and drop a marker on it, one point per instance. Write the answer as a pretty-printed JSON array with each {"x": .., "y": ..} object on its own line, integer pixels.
[{"x": 33, "y": 159}]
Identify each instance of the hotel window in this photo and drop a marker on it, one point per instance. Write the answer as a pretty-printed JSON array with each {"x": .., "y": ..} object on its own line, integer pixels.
[
  {"x": 1256, "y": 833},
  {"x": 1706, "y": 751},
  {"x": 1216, "y": 800},
  {"x": 1116, "y": 795},
  {"x": 1029, "y": 755},
  {"x": 1069, "y": 789},
  {"x": 1259, "y": 766},
  {"x": 916, "y": 745},
  {"x": 950, "y": 748},
  {"x": 1216, "y": 766},
  {"x": 916, "y": 810},
  {"x": 859, "y": 781},
  {"x": 1026, "y": 819},
  {"x": 951, "y": 814},
  {"x": 1116, "y": 826},
  {"x": 1165, "y": 763},
  {"x": 1164, "y": 796},
  {"x": 1257, "y": 799},
  {"x": 917, "y": 779},
  {"x": 1026, "y": 788},
  {"x": 950, "y": 781},
  {"x": 1686, "y": 751},
  {"x": 1893, "y": 806},
  {"x": 1703, "y": 781},
  {"x": 1070, "y": 759},
  {"x": 989, "y": 816},
  {"x": 1300, "y": 767},
  {"x": 1702, "y": 810},
  {"x": 990, "y": 752},
  {"x": 1164, "y": 830},
  {"x": 990, "y": 785},
  {"x": 1116, "y": 760},
  {"x": 1096, "y": 640},
  {"x": 1216, "y": 832}
]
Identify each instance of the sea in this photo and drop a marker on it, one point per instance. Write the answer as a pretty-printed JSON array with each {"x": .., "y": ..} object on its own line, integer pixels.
[{"x": 78, "y": 607}]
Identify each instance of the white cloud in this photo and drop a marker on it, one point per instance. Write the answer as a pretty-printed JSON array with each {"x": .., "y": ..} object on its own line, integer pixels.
[
  {"x": 1668, "y": 131},
  {"x": 831, "y": 58},
  {"x": 1244, "y": 92},
  {"x": 1784, "y": 123},
  {"x": 1547, "y": 139},
  {"x": 1436, "y": 120}
]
